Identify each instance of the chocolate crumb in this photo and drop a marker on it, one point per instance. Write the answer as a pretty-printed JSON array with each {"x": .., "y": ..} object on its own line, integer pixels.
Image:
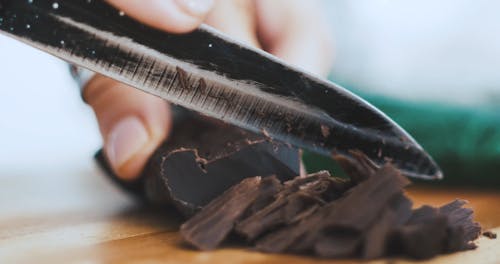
[{"x": 490, "y": 234}]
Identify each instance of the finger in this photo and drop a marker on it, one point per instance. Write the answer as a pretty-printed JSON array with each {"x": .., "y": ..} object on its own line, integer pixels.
[
  {"x": 132, "y": 123},
  {"x": 236, "y": 18},
  {"x": 296, "y": 31},
  {"x": 176, "y": 16}
]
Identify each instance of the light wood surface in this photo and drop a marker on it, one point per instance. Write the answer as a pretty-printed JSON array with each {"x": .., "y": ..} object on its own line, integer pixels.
[{"x": 74, "y": 215}]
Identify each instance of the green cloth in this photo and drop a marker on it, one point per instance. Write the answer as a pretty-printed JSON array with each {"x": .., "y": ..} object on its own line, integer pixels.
[{"x": 464, "y": 141}]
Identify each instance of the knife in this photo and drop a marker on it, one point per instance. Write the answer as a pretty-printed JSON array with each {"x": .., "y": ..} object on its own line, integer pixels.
[{"x": 210, "y": 73}]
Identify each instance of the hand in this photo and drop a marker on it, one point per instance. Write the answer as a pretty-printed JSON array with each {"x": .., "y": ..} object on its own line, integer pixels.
[{"x": 133, "y": 124}]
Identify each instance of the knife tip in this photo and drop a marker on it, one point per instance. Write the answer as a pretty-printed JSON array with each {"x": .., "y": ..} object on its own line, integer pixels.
[
  {"x": 439, "y": 175},
  {"x": 433, "y": 176}
]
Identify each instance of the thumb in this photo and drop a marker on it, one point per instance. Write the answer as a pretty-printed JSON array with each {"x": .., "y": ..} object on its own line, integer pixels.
[
  {"x": 175, "y": 16},
  {"x": 132, "y": 123}
]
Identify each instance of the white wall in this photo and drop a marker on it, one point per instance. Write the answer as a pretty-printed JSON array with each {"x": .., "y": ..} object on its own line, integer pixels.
[
  {"x": 43, "y": 122},
  {"x": 439, "y": 50}
]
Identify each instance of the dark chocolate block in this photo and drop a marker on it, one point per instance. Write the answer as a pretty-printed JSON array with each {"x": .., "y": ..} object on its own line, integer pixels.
[{"x": 203, "y": 158}]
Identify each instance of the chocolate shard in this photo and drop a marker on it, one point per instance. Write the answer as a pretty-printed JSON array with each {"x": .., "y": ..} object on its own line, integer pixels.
[
  {"x": 449, "y": 228},
  {"x": 362, "y": 204},
  {"x": 266, "y": 196},
  {"x": 452, "y": 206},
  {"x": 298, "y": 237},
  {"x": 298, "y": 199},
  {"x": 203, "y": 158},
  {"x": 424, "y": 240},
  {"x": 295, "y": 184},
  {"x": 375, "y": 241},
  {"x": 402, "y": 206},
  {"x": 423, "y": 213},
  {"x": 291, "y": 238},
  {"x": 263, "y": 220},
  {"x": 212, "y": 225},
  {"x": 338, "y": 243},
  {"x": 358, "y": 166},
  {"x": 372, "y": 195},
  {"x": 377, "y": 237},
  {"x": 461, "y": 227}
]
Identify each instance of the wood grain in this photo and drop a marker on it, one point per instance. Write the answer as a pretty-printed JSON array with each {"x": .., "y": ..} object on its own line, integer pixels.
[{"x": 75, "y": 215}]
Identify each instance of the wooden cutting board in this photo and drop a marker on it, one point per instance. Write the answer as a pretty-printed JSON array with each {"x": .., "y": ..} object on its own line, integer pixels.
[{"x": 75, "y": 215}]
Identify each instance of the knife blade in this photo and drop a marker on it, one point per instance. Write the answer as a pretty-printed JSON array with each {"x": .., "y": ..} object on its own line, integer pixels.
[{"x": 210, "y": 73}]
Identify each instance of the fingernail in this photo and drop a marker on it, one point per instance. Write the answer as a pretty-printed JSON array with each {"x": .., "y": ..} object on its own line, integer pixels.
[
  {"x": 195, "y": 7},
  {"x": 126, "y": 138}
]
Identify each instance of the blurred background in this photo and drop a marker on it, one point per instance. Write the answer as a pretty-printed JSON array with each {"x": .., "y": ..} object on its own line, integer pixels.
[
  {"x": 446, "y": 51},
  {"x": 432, "y": 65}
]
